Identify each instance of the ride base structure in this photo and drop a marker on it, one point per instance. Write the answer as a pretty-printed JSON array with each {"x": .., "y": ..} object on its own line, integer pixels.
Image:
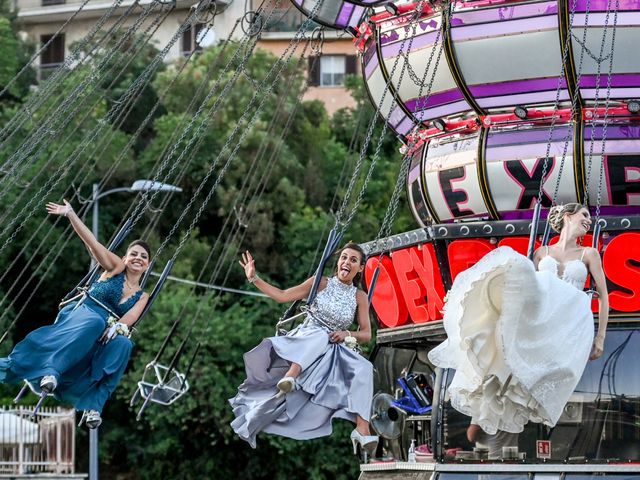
[{"x": 598, "y": 431}]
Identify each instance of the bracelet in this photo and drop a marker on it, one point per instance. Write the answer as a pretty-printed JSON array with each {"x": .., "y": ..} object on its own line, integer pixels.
[{"x": 253, "y": 279}]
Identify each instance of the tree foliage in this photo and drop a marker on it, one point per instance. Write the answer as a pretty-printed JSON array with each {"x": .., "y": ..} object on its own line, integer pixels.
[{"x": 277, "y": 199}]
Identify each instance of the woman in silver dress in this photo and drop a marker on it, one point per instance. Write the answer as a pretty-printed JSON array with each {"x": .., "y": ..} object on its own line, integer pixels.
[{"x": 298, "y": 383}]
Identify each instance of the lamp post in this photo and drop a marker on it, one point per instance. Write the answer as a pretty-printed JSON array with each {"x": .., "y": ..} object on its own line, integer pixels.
[{"x": 137, "y": 186}]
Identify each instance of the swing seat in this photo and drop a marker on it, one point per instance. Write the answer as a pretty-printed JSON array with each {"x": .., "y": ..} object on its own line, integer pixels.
[
  {"x": 288, "y": 319},
  {"x": 152, "y": 387}
]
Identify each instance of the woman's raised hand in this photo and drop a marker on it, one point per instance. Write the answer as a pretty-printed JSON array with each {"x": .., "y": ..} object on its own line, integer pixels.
[
  {"x": 249, "y": 265},
  {"x": 57, "y": 209}
]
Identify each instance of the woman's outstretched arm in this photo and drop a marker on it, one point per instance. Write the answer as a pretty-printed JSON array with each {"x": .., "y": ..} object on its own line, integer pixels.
[
  {"x": 594, "y": 264},
  {"x": 109, "y": 261},
  {"x": 299, "y": 292}
]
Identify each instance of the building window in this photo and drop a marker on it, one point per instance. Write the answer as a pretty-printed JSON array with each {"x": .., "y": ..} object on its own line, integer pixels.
[
  {"x": 52, "y": 56},
  {"x": 330, "y": 70},
  {"x": 46, "y": 3},
  {"x": 190, "y": 38}
]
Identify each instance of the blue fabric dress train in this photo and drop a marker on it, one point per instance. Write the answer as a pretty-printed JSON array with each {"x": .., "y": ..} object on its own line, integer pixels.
[{"x": 87, "y": 371}]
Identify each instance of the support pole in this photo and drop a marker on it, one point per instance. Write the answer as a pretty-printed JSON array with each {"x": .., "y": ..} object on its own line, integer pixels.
[{"x": 93, "y": 454}]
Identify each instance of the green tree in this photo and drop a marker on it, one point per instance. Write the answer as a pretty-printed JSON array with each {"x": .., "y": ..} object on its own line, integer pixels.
[{"x": 297, "y": 180}]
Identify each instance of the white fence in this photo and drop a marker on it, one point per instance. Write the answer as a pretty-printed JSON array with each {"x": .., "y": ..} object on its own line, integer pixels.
[{"x": 44, "y": 443}]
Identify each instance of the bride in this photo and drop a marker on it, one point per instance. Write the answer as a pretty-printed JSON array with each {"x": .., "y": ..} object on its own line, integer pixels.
[{"x": 519, "y": 334}]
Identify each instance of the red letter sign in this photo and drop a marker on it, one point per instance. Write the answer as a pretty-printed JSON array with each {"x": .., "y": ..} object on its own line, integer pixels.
[{"x": 387, "y": 299}]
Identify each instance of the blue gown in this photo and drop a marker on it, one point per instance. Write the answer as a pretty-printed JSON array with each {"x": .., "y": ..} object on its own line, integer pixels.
[{"x": 87, "y": 371}]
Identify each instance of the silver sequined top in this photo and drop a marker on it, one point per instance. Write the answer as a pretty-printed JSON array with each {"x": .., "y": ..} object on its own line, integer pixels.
[{"x": 335, "y": 306}]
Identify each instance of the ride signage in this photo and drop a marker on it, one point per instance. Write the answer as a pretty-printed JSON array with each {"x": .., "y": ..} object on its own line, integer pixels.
[{"x": 410, "y": 288}]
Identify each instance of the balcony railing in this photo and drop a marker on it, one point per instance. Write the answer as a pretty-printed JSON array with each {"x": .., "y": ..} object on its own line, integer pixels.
[{"x": 287, "y": 20}]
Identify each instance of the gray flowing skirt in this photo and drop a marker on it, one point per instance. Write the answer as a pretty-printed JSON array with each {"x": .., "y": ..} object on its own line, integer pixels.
[{"x": 335, "y": 382}]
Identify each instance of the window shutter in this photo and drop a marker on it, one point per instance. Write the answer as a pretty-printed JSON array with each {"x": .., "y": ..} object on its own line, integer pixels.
[
  {"x": 351, "y": 65},
  {"x": 314, "y": 70}
]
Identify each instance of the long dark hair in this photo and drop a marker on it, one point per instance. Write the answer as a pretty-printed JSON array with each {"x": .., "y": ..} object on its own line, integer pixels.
[
  {"x": 363, "y": 258},
  {"x": 140, "y": 243}
]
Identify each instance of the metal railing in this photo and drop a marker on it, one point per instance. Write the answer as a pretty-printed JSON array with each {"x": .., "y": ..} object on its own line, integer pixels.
[
  {"x": 287, "y": 20},
  {"x": 45, "y": 443}
]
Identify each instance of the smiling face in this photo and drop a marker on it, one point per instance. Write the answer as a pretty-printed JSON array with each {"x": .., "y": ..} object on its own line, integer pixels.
[
  {"x": 578, "y": 223},
  {"x": 137, "y": 259},
  {"x": 349, "y": 265}
]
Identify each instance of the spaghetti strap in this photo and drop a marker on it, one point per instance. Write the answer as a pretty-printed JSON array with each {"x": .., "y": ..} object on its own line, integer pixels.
[
  {"x": 582, "y": 256},
  {"x": 547, "y": 247}
]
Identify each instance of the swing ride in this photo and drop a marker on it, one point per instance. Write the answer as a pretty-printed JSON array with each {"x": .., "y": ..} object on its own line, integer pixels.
[{"x": 503, "y": 108}]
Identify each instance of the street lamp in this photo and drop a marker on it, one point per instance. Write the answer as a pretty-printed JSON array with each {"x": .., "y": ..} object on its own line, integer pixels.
[{"x": 137, "y": 186}]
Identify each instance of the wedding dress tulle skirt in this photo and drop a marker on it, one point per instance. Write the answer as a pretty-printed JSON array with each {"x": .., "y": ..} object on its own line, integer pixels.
[{"x": 518, "y": 339}]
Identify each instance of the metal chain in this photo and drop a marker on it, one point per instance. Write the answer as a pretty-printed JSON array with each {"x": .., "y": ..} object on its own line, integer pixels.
[
  {"x": 597, "y": 91},
  {"x": 121, "y": 112},
  {"x": 42, "y": 48},
  {"x": 392, "y": 208},
  {"x": 55, "y": 248},
  {"x": 606, "y": 110},
  {"x": 213, "y": 67},
  {"x": 145, "y": 198},
  {"x": 370, "y": 130},
  {"x": 44, "y": 92},
  {"x": 50, "y": 129},
  {"x": 274, "y": 72},
  {"x": 599, "y": 59},
  {"x": 232, "y": 239},
  {"x": 556, "y": 104},
  {"x": 63, "y": 169}
]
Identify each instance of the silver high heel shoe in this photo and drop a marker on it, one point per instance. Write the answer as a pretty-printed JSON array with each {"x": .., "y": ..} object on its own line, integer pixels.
[
  {"x": 286, "y": 385},
  {"x": 48, "y": 383},
  {"x": 91, "y": 418},
  {"x": 368, "y": 443}
]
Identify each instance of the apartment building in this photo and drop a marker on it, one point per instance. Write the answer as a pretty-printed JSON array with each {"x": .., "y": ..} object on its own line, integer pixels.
[
  {"x": 40, "y": 19},
  {"x": 326, "y": 74}
]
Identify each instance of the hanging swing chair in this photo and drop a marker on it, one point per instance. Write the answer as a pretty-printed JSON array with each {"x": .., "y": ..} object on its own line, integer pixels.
[{"x": 160, "y": 383}]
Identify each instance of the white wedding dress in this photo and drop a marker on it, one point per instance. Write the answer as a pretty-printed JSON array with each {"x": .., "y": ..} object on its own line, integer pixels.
[{"x": 518, "y": 339}]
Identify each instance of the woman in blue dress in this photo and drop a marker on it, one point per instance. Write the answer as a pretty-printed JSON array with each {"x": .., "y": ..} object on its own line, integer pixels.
[
  {"x": 299, "y": 382},
  {"x": 81, "y": 357}
]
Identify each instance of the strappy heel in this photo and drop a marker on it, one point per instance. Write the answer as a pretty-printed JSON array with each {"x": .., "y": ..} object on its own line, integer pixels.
[{"x": 91, "y": 418}]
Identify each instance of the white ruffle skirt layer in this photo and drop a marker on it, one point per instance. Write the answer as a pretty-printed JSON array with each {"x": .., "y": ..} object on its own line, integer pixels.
[{"x": 518, "y": 339}]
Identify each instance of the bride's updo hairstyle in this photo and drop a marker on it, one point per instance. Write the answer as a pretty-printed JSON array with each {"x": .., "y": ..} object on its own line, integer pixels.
[{"x": 557, "y": 213}]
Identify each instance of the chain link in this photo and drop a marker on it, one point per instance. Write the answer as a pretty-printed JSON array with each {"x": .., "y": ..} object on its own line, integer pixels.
[
  {"x": 43, "y": 93},
  {"x": 606, "y": 106},
  {"x": 392, "y": 208},
  {"x": 274, "y": 72},
  {"x": 62, "y": 113},
  {"x": 65, "y": 167},
  {"x": 556, "y": 104},
  {"x": 146, "y": 199},
  {"x": 385, "y": 126}
]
